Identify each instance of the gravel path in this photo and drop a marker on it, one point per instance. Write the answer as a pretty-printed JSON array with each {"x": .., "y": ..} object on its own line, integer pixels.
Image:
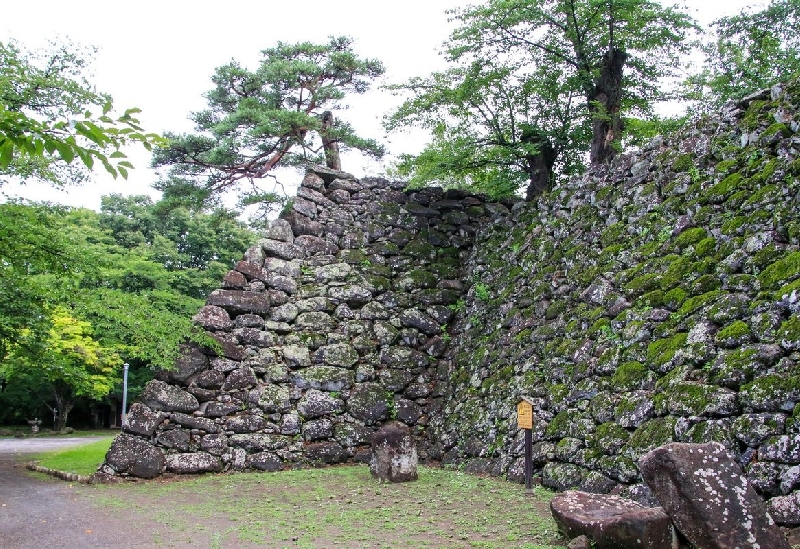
[{"x": 37, "y": 512}]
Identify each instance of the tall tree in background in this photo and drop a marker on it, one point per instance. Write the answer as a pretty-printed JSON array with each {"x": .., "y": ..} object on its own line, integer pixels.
[
  {"x": 275, "y": 115},
  {"x": 750, "y": 51},
  {"x": 611, "y": 54},
  {"x": 73, "y": 364},
  {"x": 51, "y": 115}
]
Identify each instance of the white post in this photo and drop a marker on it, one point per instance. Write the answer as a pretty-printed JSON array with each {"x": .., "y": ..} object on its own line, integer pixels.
[{"x": 124, "y": 394}]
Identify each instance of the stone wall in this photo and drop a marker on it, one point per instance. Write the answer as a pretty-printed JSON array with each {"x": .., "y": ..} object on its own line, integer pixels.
[
  {"x": 328, "y": 327},
  {"x": 655, "y": 300}
]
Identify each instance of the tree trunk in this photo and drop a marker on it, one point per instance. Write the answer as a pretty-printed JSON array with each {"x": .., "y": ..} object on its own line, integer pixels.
[
  {"x": 539, "y": 165},
  {"x": 64, "y": 405},
  {"x": 604, "y": 107},
  {"x": 330, "y": 145}
]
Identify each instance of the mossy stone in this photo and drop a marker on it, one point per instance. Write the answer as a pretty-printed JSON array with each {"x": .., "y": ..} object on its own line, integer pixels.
[
  {"x": 781, "y": 271},
  {"x": 735, "y": 334},
  {"x": 662, "y": 352},
  {"x": 649, "y": 436}
]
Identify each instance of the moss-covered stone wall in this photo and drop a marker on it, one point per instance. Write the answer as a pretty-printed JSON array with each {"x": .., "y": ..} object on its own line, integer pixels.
[{"x": 653, "y": 300}]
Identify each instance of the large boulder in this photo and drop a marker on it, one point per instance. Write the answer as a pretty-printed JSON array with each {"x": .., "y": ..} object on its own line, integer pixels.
[
  {"x": 193, "y": 463},
  {"x": 158, "y": 395},
  {"x": 706, "y": 495},
  {"x": 612, "y": 522},
  {"x": 394, "y": 454},
  {"x": 130, "y": 455}
]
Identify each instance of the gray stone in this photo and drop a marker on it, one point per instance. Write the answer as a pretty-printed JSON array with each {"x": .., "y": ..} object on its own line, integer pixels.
[
  {"x": 325, "y": 378},
  {"x": 785, "y": 510},
  {"x": 369, "y": 402},
  {"x": 706, "y": 495},
  {"x": 318, "y": 403},
  {"x": 193, "y": 422},
  {"x": 238, "y": 301},
  {"x": 174, "y": 438},
  {"x": 158, "y": 395},
  {"x": 212, "y": 317},
  {"x": 193, "y": 463},
  {"x": 242, "y": 378},
  {"x": 141, "y": 420},
  {"x": 264, "y": 461},
  {"x": 214, "y": 444},
  {"x": 612, "y": 522},
  {"x": 394, "y": 454},
  {"x": 256, "y": 442},
  {"x": 318, "y": 429},
  {"x": 190, "y": 362},
  {"x": 129, "y": 455}
]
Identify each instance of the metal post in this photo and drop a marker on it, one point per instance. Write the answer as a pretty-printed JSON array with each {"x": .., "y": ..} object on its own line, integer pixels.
[{"x": 124, "y": 394}]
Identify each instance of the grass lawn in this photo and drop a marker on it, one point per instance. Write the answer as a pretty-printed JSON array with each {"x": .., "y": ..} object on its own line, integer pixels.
[
  {"x": 341, "y": 506},
  {"x": 83, "y": 459}
]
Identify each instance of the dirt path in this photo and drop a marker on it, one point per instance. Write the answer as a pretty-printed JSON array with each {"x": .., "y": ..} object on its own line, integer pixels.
[{"x": 40, "y": 512}]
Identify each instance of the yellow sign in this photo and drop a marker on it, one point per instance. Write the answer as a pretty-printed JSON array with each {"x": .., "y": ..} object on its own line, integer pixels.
[{"x": 524, "y": 415}]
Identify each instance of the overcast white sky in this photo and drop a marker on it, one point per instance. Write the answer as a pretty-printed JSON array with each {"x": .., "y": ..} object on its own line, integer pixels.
[{"x": 159, "y": 56}]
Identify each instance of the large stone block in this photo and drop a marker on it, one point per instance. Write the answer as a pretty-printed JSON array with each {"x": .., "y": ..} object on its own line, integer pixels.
[
  {"x": 130, "y": 455},
  {"x": 394, "y": 454},
  {"x": 239, "y": 301},
  {"x": 142, "y": 420},
  {"x": 193, "y": 463},
  {"x": 612, "y": 522},
  {"x": 158, "y": 395},
  {"x": 708, "y": 498}
]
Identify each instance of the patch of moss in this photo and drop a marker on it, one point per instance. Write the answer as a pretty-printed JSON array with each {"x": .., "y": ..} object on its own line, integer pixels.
[
  {"x": 694, "y": 303},
  {"x": 734, "y": 331},
  {"x": 612, "y": 234},
  {"x": 677, "y": 272},
  {"x": 651, "y": 435},
  {"x": 734, "y": 225},
  {"x": 683, "y": 163},
  {"x": 789, "y": 333},
  {"x": 706, "y": 247},
  {"x": 642, "y": 284},
  {"x": 555, "y": 309},
  {"x": 704, "y": 284},
  {"x": 726, "y": 166},
  {"x": 629, "y": 375},
  {"x": 689, "y": 237},
  {"x": 662, "y": 351},
  {"x": 675, "y": 298},
  {"x": 723, "y": 190},
  {"x": 781, "y": 271}
]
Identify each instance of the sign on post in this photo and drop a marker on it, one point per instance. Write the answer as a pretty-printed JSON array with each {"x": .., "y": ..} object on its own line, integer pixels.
[
  {"x": 524, "y": 414},
  {"x": 525, "y": 421}
]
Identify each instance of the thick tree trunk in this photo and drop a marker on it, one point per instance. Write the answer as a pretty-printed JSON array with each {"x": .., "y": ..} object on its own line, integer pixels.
[
  {"x": 64, "y": 405},
  {"x": 539, "y": 165},
  {"x": 329, "y": 145},
  {"x": 604, "y": 107}
]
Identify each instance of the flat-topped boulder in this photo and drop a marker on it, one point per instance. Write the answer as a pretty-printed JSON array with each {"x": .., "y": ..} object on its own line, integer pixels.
[{"x": 613, "y": 522}]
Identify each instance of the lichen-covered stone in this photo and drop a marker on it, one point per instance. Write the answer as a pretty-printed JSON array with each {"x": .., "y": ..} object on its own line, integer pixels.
[
  {"x": 318, "y": 403},
  {"x": 193, "y": 463},
  {"x": 705, "y": 494},
  {"x": 129, "y": 455},
  {"x": 161, "y": 396}
]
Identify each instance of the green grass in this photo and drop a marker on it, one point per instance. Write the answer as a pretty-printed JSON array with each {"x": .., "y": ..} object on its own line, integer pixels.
[
  {"x": 82, "y": 460},
  {"x": 335, "y": 507}
]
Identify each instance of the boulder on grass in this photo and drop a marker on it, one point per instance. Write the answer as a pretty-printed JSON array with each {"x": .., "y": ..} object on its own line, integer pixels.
[
  {"x": 707, "y": 496},
  {"x": 130, "y": 455},
  {"x": 612, "y": 522},
  {"x": 394, "y": 454}
]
